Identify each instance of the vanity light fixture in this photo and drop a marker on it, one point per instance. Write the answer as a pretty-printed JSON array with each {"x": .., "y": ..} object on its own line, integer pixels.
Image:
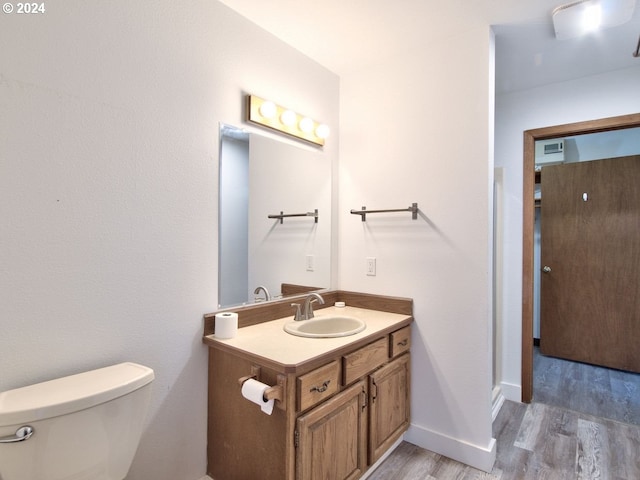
[
  {"x": 288, "y": 118},
  {"x": 584, "y": 16},
  {"x": 322, "y": 131},
  {"x": 306, "y": 125},
  {"x": 268, "y": 109},
  {"x": 268, "y": 114}
]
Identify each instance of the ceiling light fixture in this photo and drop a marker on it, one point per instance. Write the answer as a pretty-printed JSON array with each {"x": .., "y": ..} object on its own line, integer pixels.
[
  {"x": 583, "y": 16},
  {"x": 592, "y": 18},
  {"x": 268, "y": 114}
]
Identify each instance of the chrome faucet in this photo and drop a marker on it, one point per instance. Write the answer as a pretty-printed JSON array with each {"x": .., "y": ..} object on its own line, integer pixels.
[
  {"x": 267, "y": 297},
  {"x": 306, "y": 313}
]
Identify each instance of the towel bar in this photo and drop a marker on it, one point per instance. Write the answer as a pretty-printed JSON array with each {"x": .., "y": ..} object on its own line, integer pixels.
[{"x": 363, "y": 213}]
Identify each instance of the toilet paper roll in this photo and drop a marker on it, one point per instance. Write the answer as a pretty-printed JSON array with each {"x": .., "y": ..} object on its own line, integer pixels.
[
  {"x": 253, "y": 391},
  {"x": 226, "y": 325}
]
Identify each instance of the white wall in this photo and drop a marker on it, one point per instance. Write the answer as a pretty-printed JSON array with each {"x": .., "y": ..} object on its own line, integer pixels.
[
  {"x": 596, "y": 146},
  {"x": 590, "y": 98},
  {"x": 108, "y": 193},
  {"x": 416, "y": 128}
]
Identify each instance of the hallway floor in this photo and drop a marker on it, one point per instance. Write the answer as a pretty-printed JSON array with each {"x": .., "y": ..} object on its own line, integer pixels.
[
  {"x": 534, "y": 441},
  {"x": 590, "y": 389},
  {"x": 584, "y": 424}
]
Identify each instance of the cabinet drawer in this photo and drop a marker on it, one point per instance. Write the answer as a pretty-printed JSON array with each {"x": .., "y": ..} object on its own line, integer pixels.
[
  {"x": 317, "y": 385},
  {"x": 362, "y": 361},
  {"x": 400, "y": 341}
]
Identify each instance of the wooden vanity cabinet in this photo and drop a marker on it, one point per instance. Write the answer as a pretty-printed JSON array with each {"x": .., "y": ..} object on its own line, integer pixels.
[
  {"x": 344, "y": 435},
  {"x": 332, "y": 438},
  {"x": 318, "y": 385},
  {"x": 389, "y": 405},
  {"x": 339, "y": 415}
]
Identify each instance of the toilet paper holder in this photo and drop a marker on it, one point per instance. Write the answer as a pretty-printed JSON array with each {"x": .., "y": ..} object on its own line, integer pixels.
[{"x": 276, "y": 392}]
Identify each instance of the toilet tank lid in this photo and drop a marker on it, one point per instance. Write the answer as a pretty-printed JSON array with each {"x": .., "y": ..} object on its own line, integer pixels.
[{"x": 71, "y": 394}]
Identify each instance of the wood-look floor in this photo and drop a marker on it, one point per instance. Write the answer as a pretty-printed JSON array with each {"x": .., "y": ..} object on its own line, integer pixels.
[
  {"x": 598, "y": 391},
  {"x": 545, "y": 441}
]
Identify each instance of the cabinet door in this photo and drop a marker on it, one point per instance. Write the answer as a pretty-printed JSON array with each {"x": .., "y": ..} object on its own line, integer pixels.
[
  {"x": 389, "y": 405},
  {"x": 332, "y": 437}
]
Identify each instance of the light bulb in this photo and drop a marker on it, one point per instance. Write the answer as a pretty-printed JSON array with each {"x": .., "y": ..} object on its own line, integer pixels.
[
  {"x": 268, "y": 109},
  {"x": 592, "y": 18},
  {"x": 306, "y": 125},
  {"x": 288, "y": 118},
  {"x": 322, "y": 131}
]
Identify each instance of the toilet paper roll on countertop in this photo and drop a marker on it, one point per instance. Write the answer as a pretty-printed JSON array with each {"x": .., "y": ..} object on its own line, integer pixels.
[
  {"x": 226, "y": 325},
  {"x": 253, "y": 391}
]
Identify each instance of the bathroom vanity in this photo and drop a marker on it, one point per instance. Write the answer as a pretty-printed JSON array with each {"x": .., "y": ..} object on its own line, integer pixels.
[{"x": 340, "y": 403}]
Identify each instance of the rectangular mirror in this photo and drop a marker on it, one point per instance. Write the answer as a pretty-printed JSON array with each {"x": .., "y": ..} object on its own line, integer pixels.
[{"x": 261, "y": 177}]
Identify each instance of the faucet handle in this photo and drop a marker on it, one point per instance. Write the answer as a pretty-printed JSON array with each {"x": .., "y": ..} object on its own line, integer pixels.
[{"x": 298, "y": 314}]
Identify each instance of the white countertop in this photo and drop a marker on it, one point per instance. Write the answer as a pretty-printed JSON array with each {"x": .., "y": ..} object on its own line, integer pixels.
[{"x": 269, "y": 340}]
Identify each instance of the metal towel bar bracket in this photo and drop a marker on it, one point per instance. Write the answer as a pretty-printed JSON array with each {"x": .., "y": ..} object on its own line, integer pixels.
[
  {"x": 363, "y": 213},
  {"x": 283, "y": 215}
]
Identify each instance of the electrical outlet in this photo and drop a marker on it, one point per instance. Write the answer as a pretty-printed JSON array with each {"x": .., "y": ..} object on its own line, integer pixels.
[
  {"x": 371, "y": 266},
  {"x": 310, "y": 263}
]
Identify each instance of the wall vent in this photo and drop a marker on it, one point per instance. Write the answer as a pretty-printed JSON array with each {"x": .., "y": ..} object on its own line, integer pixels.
[{"x": 549, "y": 152}]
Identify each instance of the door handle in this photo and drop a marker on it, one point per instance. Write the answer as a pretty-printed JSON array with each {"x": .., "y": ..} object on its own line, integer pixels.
[{"x": 546, "y": 269}]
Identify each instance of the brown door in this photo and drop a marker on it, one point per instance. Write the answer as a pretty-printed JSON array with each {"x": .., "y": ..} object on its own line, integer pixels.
[{"x": 590, "y": 257}]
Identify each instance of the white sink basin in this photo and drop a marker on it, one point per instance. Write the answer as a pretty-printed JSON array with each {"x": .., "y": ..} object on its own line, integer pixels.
[{"x": 323, "y": 327}]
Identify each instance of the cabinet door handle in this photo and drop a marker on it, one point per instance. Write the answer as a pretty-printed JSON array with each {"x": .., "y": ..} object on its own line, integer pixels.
[
  {"x": 321, "y": 389},
  {"x": 403, "y": 343},
  {"x": 364, "y": 399}
]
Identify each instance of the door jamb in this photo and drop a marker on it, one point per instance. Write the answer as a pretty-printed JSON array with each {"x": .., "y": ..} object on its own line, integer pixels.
[{"x": 528, "y": 218}]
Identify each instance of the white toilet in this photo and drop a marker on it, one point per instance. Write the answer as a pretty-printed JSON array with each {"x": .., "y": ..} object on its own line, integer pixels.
[{"x": 82, "y": 427}]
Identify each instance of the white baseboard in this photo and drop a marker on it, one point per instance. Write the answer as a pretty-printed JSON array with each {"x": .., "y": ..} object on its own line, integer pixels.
[
  {"x": 497, "y": 400},
  {"x": 511, "y": 391},
  {"x": 476, "y": 456}
]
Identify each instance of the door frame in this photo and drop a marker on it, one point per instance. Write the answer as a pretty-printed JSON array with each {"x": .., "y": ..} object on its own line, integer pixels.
[{"x": 528, "y": 219}]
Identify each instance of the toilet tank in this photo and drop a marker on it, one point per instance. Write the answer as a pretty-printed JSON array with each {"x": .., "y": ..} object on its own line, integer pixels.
[{"x": 85, "y": 426}]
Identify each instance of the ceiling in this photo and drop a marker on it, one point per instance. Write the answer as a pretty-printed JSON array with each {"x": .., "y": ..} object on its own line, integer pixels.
[{"x": 344, "y": 35}]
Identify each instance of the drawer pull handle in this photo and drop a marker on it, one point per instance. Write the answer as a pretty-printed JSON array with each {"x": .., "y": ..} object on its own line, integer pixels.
[
  {"x": 403, "y": 343},
  {"x": 321, "y": 389}
]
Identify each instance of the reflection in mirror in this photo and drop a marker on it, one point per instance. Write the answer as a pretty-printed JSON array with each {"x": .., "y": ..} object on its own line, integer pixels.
[{"x": 262, "y": 258}]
